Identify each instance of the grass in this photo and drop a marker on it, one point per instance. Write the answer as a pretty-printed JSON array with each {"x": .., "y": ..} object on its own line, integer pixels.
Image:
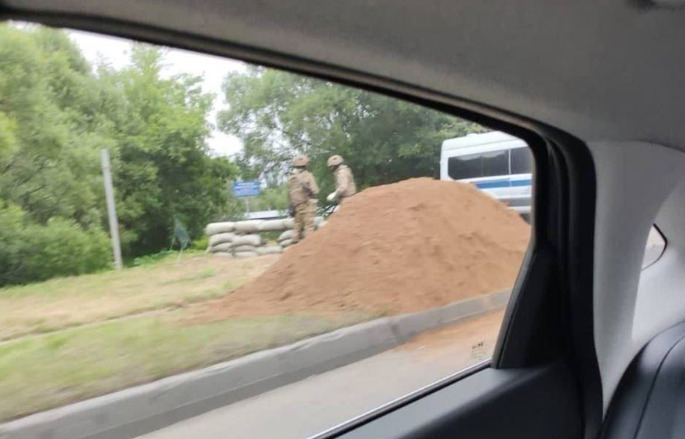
[
  {"x": 73, "y": 338},
  {"x": 167, "y": 283},
  {"x": 44, "y": 371}
]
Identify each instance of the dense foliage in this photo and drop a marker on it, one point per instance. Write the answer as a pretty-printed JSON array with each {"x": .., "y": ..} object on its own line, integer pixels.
[
  {"x": 61, "y": 247},
  {"x": 56, "y": 113},
  {"x": 384, "y": 140}
]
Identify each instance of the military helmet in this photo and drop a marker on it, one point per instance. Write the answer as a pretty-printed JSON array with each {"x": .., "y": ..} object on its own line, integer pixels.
[
  {"x": 300, "y": 161},
  {"x": 334, "y": 160}
]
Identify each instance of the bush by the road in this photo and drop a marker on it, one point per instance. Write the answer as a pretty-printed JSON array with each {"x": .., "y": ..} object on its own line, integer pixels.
[{"x": 31, "y": 252}]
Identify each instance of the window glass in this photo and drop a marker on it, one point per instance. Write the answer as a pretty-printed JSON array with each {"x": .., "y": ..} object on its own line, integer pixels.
[
  {"x": 496, "y": 163},
  {"x": 521, "y": 161},
  {"x": 486, "y": 164},
  {"x": 465, "y": 166},
  {"x": 164, "y": 212}
]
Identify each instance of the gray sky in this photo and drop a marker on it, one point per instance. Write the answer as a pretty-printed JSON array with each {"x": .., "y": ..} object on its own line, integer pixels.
[{"x": 115, "y": 51}]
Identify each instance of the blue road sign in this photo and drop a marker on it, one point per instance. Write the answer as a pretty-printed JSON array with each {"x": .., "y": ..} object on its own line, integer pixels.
[{"x": 246, "y": 188}]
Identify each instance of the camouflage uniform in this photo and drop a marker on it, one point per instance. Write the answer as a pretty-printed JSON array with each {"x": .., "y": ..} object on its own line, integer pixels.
[
  {"x": 344, "y": 182},
  {"x": 302, "y": 191}
]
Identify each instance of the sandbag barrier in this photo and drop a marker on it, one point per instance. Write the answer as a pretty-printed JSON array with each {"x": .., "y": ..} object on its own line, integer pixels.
[{"x": 243, "y": 239}]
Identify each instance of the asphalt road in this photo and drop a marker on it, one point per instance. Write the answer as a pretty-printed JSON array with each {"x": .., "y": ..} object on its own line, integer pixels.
[{"x": 310, "y": 406}]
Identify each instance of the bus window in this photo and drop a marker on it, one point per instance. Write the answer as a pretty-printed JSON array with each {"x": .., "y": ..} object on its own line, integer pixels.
[
  {"x": 478, "y": 165},
  {"x": 465, "y": 166},
  {"x": 495, "y": 163},
  {"x": 521, "y": 161}
]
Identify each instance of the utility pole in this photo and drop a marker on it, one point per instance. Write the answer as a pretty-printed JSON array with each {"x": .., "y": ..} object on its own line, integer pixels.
[{"x": 111, "y": 209}]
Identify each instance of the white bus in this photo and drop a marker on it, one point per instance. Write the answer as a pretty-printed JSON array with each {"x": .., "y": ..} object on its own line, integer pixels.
[{"x": 497, "y": 163}]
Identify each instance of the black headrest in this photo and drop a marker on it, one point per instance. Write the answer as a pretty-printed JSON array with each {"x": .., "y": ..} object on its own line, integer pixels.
[{"x": 650, "y": 400}]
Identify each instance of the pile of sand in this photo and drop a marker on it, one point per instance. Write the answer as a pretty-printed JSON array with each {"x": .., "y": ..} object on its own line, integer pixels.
[{"x": 402, "y": 247}]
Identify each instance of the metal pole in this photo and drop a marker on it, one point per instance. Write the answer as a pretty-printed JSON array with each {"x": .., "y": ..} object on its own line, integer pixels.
[{"x": 111, "y": 209}]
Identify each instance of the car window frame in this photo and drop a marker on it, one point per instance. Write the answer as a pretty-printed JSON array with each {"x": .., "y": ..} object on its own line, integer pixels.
[{"x": 562, "y": 219}]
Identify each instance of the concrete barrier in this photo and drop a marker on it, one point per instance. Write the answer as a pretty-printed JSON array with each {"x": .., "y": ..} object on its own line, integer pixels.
[{"x": 142, "y": 409}]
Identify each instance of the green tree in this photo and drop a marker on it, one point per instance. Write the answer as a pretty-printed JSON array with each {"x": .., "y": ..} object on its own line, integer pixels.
[
  {"x": 49, "y": 155},
  {"x": 271, "y": 198},
  {"x": 279, "y": 114},
  {"x": 56, "y": 113},
  {"x": 162, "y": 164}
]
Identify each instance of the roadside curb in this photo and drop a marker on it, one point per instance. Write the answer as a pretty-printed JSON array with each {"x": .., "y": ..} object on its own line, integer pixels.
[{"x": 138, "y": 410}]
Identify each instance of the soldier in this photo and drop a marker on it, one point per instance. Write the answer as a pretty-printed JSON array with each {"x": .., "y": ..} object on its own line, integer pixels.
[
  {"x": 302, "y": 191},
  {"x": 344, "y": 180}
]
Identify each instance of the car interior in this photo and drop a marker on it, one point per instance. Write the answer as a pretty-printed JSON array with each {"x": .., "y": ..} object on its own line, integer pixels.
[{"x": 591, "y": 345}]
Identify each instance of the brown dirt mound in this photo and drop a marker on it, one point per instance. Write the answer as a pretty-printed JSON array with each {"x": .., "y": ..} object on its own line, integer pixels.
[{"x": 398, "y": 248}]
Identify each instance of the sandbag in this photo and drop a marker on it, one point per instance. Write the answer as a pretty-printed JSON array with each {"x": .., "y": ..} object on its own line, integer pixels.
[
  {"x": 244, "y": 248},
  {"x": 321, "y": 224},
  {"x": 271, "y": 225},
  {"x": 288, "y": 223},
  {"x": 247, "y": 226},
  {"x": 220, "y": 238},
  {"x": 225, "y": 247},
  {"x": 317, "y": 221},
  {"x": 254, "y": 240},
  {"x": 214, "y": 228},
  {"x": 285, "y": 243},
  {"x": 245, "y": 254},
  {"x": 288, "y": 234},
  {"x": 270, "y": 250}
]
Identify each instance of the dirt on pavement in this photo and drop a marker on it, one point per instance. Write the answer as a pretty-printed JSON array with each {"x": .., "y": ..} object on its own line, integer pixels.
[
  {"x": 469, "y": 341},
  {"x": 397, "y": 248}
]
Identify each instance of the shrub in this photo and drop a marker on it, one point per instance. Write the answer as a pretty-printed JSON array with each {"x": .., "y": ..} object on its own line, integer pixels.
[
  {"x": 200, "y": 244},
  {"x": 32, "y": 252},
  {"x": 63, "y": 248}
]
